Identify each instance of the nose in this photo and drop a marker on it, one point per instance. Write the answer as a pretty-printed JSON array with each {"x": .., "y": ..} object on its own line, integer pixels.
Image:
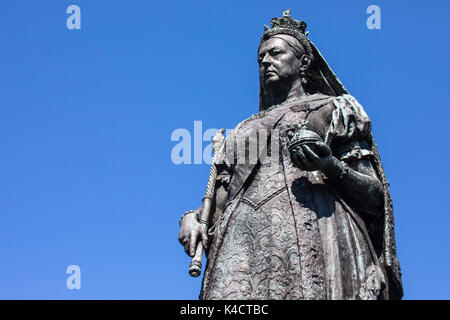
[{"x": 266, "y": 61}]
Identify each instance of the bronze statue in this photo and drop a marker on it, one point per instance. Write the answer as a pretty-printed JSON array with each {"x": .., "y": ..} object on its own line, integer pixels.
[{"x": 311, "y": 216}]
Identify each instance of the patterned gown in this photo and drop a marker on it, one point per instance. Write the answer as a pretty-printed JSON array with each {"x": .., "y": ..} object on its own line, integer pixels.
[{"x": 288, "y": 233}]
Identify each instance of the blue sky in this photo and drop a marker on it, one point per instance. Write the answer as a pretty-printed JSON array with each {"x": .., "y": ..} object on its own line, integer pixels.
[{"x": 86, "y": 176}]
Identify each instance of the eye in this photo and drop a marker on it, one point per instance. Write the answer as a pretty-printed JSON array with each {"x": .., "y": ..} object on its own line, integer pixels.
[{"x": 276, "y": 53}]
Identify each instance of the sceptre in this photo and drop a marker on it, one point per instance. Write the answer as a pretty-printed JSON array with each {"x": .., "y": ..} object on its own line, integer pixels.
[{"x": 195, "y": 267}]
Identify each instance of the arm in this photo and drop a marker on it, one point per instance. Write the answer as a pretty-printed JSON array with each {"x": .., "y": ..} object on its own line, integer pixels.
[
  {"x": 356, "y": 180},
  {"x": 359, "y": 183},
  {"x": 191, "y": 230}
]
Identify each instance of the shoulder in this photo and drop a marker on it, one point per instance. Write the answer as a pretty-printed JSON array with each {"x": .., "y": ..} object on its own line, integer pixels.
[
  {"x": 349, "y": 103},
  {"x": 336, "y": 102},
  {"x": 348, "y": 119}
]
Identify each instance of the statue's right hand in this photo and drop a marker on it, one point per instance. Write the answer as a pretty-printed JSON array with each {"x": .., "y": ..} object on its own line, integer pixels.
[{"x": 191, "y": 231}]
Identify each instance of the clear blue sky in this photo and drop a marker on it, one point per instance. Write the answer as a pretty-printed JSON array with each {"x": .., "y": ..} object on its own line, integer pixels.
[{"x": 86, "y": 176}]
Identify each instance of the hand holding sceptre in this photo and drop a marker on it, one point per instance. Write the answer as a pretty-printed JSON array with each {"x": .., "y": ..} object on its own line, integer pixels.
[{"x": 195, "y": 267}]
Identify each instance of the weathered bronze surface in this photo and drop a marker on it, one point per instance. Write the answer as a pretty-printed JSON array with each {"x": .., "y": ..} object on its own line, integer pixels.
[{"x": 311, "y": 217}]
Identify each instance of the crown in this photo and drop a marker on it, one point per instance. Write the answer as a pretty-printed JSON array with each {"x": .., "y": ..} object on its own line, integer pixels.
[
  {"x": 286, "y": 22},
  {"x": 289, "y": 26}
]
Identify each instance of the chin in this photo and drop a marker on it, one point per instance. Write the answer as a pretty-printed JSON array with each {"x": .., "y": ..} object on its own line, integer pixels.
[{"x": 271, "y": 81}]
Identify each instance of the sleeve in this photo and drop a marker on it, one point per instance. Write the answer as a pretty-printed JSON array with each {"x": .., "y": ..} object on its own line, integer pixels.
[
  {"x": 223, "y": 164},
  {"x": 350, "y": 138},
  {"x": 349, "y": 132}
]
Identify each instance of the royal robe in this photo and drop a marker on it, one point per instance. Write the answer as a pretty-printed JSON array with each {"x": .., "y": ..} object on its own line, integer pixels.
[{"x": 287, "y": 233}]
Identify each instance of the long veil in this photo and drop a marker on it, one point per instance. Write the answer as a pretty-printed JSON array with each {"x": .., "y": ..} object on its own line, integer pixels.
[{"x": 322, "y": 79}]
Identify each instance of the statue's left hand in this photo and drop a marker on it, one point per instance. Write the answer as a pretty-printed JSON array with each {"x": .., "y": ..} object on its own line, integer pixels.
[{"x": 312, "y": 156}]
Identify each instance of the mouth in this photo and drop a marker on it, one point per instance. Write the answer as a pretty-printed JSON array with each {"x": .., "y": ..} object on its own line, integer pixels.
[{"x": 269, "y": 73}]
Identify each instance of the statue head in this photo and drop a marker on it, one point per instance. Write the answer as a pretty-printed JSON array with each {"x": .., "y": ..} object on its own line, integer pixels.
[
  {"x": 286, "y": 55},
  {"x": 282, "y": 61}
]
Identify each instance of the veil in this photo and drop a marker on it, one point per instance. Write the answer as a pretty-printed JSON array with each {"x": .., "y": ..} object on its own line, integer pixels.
[{"x": 321, "y": 79}]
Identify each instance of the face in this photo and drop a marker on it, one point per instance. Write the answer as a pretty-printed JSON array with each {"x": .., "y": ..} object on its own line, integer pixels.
[{"x": 278, "y": 65}]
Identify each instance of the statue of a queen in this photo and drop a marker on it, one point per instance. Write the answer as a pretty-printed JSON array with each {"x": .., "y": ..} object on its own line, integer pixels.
[{"x": 311, "y": 217}]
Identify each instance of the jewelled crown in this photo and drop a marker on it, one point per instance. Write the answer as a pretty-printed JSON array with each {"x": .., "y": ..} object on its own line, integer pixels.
[
  {"x": 287, "y": 25},
  {"x": 287, "y": 22}
]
